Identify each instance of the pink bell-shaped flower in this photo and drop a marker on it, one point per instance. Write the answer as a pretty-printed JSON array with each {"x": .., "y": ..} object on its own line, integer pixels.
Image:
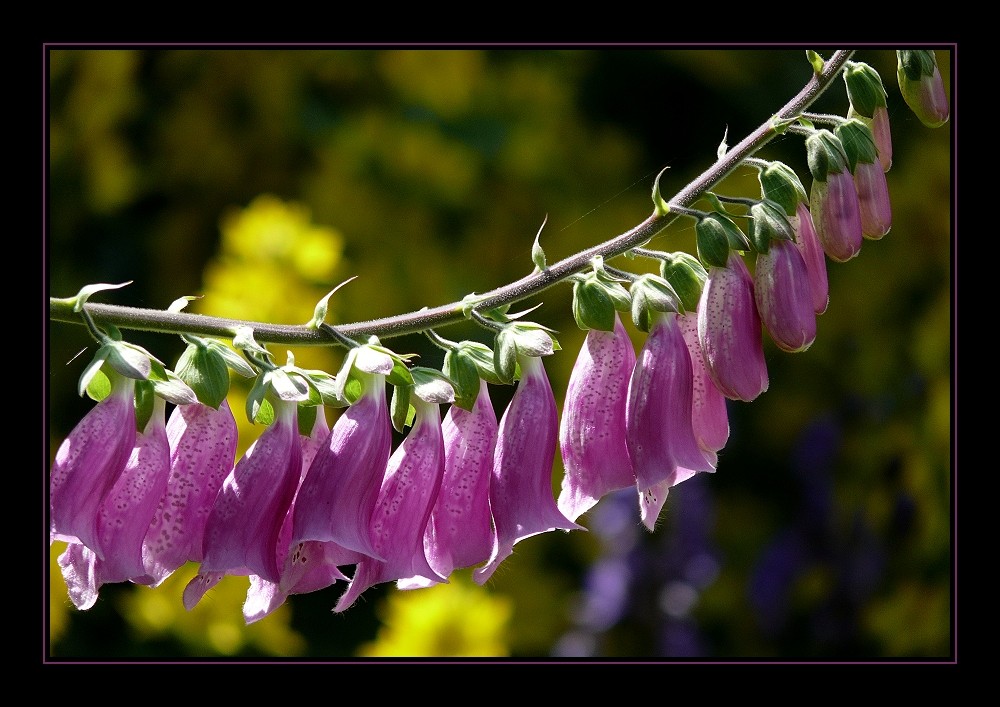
[
  {"x": 460, "y": 532},
  {"x": 409, "y": 490},
  {"x": 592, "y": 428},
  {"x": 922, "y": 85},
  {"x": 123, "y": 518},
  {"x": 658, "y": 416},
  {"x": 873, "y": 199},
  {"x": 337, "y": 498},
  {"x": 202, "y": 444},
  {"x": 812, "y": 254},
  {"x": 521, "y": 485},
  {"x": 310, "y": 565},
  {"x": 729, "y": 329},
  {"x": 87, "y": 465},
  {"x": 836, "y": 214},
  {"x": 241, "y": 535},
  {"x": 784, "y": 297}
]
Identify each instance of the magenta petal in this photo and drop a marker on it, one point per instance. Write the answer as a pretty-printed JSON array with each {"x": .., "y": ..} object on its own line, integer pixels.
[
  {"x": 460, "y": 532},
  {"x": 873, "y": 200},
  {"x": 78, "y": 565},
  {"x": 883, "y": 136},
  {"x": 814, "y": 257},
  {"x": 837, "y": 215},
  {"x": 729, "y": 329},
  {"x": 202, "y": 452},
  {"x": 658, "y": 417},
  {"x": 592, "y": 428},
  {"x": 709, "y": 416},
  {"x": 199, "y": 584},
  {"x": 409, "y": 491},
  {"x": 88, "y": 463},
  {"x": 338, "y": 495},
  {"x": 126, "y": 511},
  {"x": 784, "y": 296},
  {"x": 651, "y": 499},
  {"x": 242, "y": 532},
  {"x": 521, "y": 485}
]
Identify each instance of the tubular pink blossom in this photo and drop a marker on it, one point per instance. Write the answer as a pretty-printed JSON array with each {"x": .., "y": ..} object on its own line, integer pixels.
[
  {"x": 409, "y": 491},
  {"x": 873, "y": 200},
  {"x": 729, "y": 329},
  {"x": 709, "y": 416},
  {"x": 521, "y": 485},
  {"x": 87, "y": 465},
  {"x": 837, "y": 215},
  {"x": 460, "y": 532},
  {"x": 337, "y": 498},
  {"x": 813, "y": 255},
  {"x": 241, "y": 535},
  {"x": 883, "y": 136},
  {"x": 202, "y": 444},
  {"x": 658, "y": 415},
  {"x": 592, "y": 429},
  {"x": 123, "y": 518},
  {"x": 309, "y": 566},
  {"x": 784, "y": 297}
]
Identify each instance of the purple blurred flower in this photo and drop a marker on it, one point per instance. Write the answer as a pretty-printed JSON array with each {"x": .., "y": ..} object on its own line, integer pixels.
[
  {"x": 123, "y": 518},
  {"x": 87, "y": 465},
  {"x": 241, "y": 536},
  {"x": 783, "y": 292},
  {"x": 460, "y": 532},
  {"x": 729, "y": 329},
  {"x": 592, "y": 429},
  {"x": 202, "y": 444},
  {"x": 521, "y": 485},
  {"x": 338, "y": 496},
  {"x": 409, "y": 491}
]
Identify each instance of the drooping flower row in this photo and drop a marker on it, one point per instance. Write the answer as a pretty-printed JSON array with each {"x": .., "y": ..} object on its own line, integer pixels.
[{"x": 136, "y": 496}]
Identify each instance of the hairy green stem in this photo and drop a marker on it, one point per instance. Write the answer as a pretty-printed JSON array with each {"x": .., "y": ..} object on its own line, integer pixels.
[{"x": 528, "y": 286}]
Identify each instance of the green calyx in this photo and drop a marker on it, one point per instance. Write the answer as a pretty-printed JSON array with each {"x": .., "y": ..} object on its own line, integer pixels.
[
  {"x": 768, "y": 223},
  {"x": 205, "y": 365},
  {"x": 716, "y": 235},
  {"x": 429, "y": 385},
  {"x": 464, "y": 365},
  {"x": 915, "y": 63},
  {"x": 651, "y": 296},
  {"x": 520, "y": 338},
  {"x": 596, "y": 298},
  {"x": 686, "y": 276},
  {"x": 858, "y": 142},
  {"x": 864, "y": 88},
  {"x": 779, "y": 183},
  {"x": 825, "y": 154}
]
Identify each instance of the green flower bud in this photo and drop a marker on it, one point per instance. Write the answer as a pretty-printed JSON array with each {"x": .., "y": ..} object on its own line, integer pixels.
[
  {"x": 651, "y": 295},
  {"x": 780, "y": 184},
  {"x": 686, "y": 276},
  {"x": 858, "y": 142},
  {"x": 716, "y": 234},
  {"x": 825, "y": 155},
  {"x": 864, "y": 88},
  {"x": 769, "y": 223}
]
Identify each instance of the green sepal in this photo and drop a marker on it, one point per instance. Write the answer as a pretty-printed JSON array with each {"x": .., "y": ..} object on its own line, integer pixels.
[
  {"x": 400, "y": 411},
  {"x": 245, "y": 341},
  {"x": 462, "y": 371},
  {"x": 768, "y": 223},
  {"x": 779, "y": 183},
  {"x": 205, "y": 370},
  {"x": 825, "y": 154},
  {"x": 233, "y": 360},
  {"x": 660, "y": 206},
  {"x": 651, "y": 294},
  {"x": 858, "y": 142},
  {"x": 307, "y": 418},
  {"x": 432, "y": 386},
  {"x": 325, "y": 386},
  {"x": 915, "y": 63},
  {"x": 258, "y": 409},
  {"x": 344, "y": 374},
  {"x": 91, "y": 371},
  {"x": 592, "y": 307},
  {"x": 686, "y": 276},
  {"x": 716, "y": 235},
  {"x": 400, "y": 374},
  {"x": 169, "y": 386},
  {"x": 816, "y": 61},
  {"x": 143, "y": 404},
  {"x": 181, "y": 303},
  {"x": 482, "y": 356},
  {"x": 86, "y": 291},
  {"x": 98, "y": 386},
  {"x": 289, "y": 387},
  {"x": 129, "y": 360},
  {"x": 864, "y": 88},
  {"x": 505, "y": 356}
]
